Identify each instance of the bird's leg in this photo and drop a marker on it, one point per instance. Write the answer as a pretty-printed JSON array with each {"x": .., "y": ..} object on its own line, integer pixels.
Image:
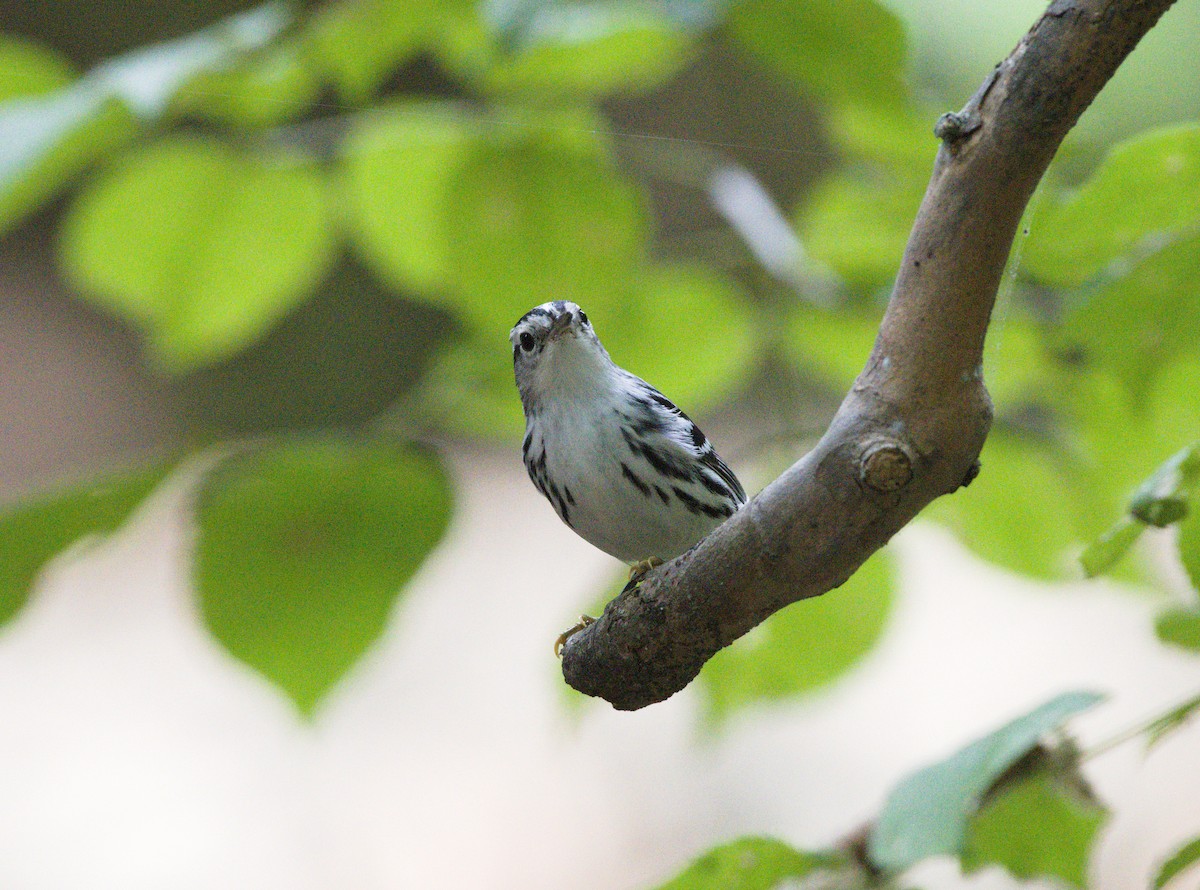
[
  {"x": 640, "y": 569},
  {"x": 584, "y": 621}
]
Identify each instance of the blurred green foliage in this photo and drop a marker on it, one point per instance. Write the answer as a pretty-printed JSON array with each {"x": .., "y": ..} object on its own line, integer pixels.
[{"x": 461, "y": 162}]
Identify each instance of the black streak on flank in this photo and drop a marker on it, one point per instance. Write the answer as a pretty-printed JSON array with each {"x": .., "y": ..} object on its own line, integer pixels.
[
  {"x": 696, "y": 506},
  {"x": 666, "y": 465},
  {"x": 570, "y": 497},
  {"x": 632, "y": 477},
  {"x": 666, "y": 498},
  {"x": 630, "y": 441},
  {"x": 698, "y": 438},
  {"x": 525, "y": 445},
  {"x": 716, "y": 487}
]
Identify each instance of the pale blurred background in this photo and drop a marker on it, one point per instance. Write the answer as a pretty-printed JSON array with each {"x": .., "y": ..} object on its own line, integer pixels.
[{"x": 136, "y": 754}]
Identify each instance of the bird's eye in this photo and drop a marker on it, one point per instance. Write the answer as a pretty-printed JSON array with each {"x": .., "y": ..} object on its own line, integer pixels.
[
  {"x": 527, "y": 341},
  {"x": 583, "y": 316}
]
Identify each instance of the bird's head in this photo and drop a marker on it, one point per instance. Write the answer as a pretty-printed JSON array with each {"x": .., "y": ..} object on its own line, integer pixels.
[{"x": 554, "y": 346}]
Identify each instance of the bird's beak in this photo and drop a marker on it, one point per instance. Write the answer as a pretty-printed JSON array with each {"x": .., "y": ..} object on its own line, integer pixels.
[{"x": 560, "y": 325}]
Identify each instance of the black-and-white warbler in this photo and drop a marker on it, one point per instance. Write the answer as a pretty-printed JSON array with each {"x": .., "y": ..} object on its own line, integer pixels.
[{"x": 623, "y": 467}]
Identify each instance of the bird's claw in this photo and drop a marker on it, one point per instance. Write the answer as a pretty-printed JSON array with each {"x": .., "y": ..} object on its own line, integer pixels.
[
  {"x": 584, "y": 621},
  {"x": 640, "y": 569}
]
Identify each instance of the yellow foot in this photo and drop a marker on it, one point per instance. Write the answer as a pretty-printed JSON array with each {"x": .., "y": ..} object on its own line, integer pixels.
[
  {"x": 584, "y": 621},
  {"x": 638, "y": 570}
]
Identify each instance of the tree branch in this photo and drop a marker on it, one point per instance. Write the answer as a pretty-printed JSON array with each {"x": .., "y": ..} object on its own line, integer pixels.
[{"x": 913, "y": 425}]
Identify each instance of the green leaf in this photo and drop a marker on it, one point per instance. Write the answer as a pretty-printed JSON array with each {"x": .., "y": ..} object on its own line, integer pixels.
[
  {"x": 203, "y": 247},
  {"x": 29, "y": 69},
  {"x": 1037, "y": 828},
  {"x": 857, "y": 222},
  {"x": 146, "y": 78},
  {"x": 304, "y": 547},
  {"x": 1189, "y": 545},
  {"x": 356, "y": 44},
  {"x": 834, "y": 345},
  {"x": 1020, "y": 512},
  {"x": 1147, "y": 188},
  {"x": 806, "y": 646},
  {"x": 470, "y": 391},
  {"x": 809, "y": 41},
  {"x": 1139, "y": 320},
  {"x": 926, "y": 814},
  {"x": 1177, "y": 863},
  {"x": 1179, "y": 627},
  {"x": 46, "y": 141},
  {"x": 395, "y": 169},
  {"x": 898, "y": 137},
  {"x": 1163, "y": 498},
  {"x": 35, "y": 530},
  {"x": 265, "y": 90},
  {"x": 1171, "y": 721},
  {"x": 749, "y": 863},
  {"x": 531, "y": 221},
  {"x": 589, "y": 50},
  {"x": 1104, "y": 552}
]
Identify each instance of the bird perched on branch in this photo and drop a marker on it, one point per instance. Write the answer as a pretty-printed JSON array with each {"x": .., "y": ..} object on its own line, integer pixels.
[{"x": 622, "y": 466}]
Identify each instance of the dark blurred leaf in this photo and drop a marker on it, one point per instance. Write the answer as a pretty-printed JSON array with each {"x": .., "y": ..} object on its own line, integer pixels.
[
  {"x": 806, "y": 646},
  {"x": 927, "y": 813},
  {"x": 396, "y": 166},
  {"x": 1171, "y": 721},
  {"x": 1147, "y": 188},
  {"x": 28, "y": 69},
  {"x": 304, "y": 548},
  {"x": 810, "y": 41},
  {"x": 34, "y": 531},
  {"x": 1180, "y": 627},
  {"x": 533, "y": 220},
  {"x": 1036, "y": 828},
  {"x": 1135, "y": 324},
  {"x": 1178, "y": 862},
  {"x": 750, "y": 863},
  {"x": 201, "y": 246},
  {"x": 1163, "y": 498}
]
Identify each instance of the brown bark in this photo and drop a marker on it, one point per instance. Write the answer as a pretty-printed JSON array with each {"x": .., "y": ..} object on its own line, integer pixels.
[{"x": 912, "y": 427}]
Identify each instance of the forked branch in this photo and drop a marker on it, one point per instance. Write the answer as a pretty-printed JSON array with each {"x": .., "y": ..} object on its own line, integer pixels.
[{"x": 912, "y": 427}]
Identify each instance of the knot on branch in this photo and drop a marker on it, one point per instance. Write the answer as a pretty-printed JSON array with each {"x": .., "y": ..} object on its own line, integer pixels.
[
  {"x": 955, "y": 126},
  {"x": 885, "y": 466}
]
